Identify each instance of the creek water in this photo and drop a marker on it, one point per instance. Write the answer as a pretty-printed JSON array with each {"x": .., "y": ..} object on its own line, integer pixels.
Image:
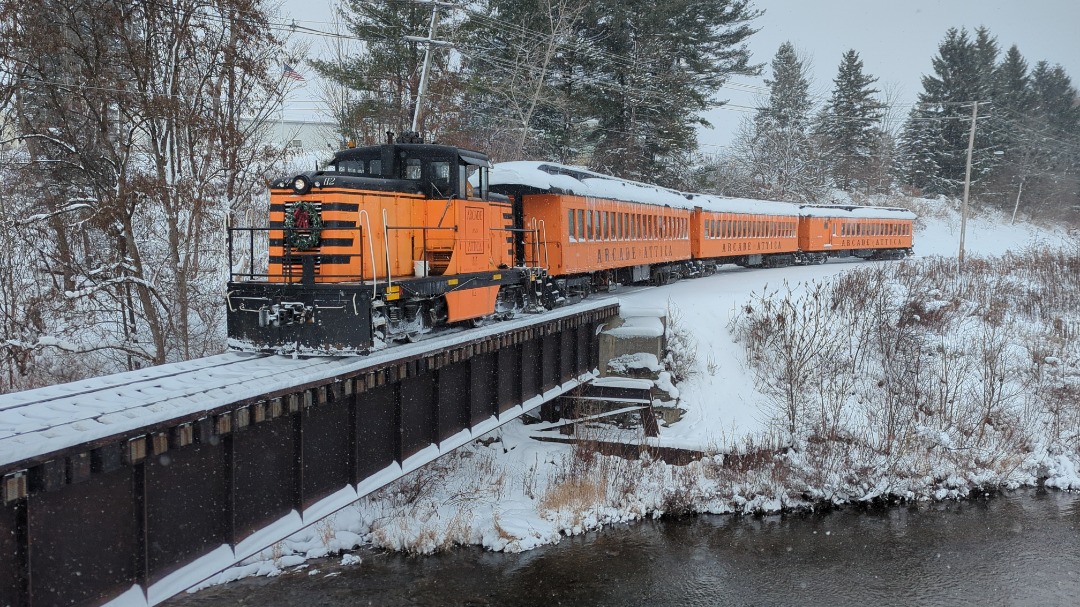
[{"x": 1018, "y": 548}]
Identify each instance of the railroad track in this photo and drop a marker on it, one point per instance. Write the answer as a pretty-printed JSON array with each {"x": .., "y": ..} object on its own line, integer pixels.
[{"x": 38, "y": 422}]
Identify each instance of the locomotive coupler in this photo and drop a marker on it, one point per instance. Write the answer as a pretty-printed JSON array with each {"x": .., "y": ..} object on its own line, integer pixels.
[{"x": 286, "y": 313}]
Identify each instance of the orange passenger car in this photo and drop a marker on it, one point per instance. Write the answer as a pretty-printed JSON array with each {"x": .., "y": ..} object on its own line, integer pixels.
[
  {"x": 742, "y": 231},
  {"x": 578, "y": 235},
  {"x": 590, "y": 230},
  {"x": 867, "y": 232}
]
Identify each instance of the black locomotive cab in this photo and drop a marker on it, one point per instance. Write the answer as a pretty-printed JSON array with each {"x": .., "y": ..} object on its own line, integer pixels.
[{"x": 436, "y": 171}]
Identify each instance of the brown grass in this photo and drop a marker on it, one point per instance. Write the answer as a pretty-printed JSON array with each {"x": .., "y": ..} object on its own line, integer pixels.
[{"x": 574, "y": 495}]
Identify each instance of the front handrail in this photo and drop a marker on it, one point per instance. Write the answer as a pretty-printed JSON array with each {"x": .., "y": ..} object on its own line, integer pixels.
[{"x": 360, "y": 217}]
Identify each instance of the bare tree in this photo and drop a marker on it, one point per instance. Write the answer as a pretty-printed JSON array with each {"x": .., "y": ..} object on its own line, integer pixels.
[{"x": 142, "y": 127}]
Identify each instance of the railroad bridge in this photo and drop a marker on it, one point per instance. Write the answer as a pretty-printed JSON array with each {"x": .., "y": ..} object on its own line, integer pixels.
[{"x": 138, "y": 485}]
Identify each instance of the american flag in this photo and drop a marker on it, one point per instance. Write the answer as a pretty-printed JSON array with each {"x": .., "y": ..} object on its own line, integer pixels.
[{"x": 291, "y": 73}]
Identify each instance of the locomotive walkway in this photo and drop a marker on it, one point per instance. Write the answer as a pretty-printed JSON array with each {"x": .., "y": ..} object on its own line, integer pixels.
[{"x": 137, "y": 485}]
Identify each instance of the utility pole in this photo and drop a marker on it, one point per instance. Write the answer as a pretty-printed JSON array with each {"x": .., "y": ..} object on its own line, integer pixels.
[
  {"x": 429, "y": 41},
  {"x": 967, "y": 184}
]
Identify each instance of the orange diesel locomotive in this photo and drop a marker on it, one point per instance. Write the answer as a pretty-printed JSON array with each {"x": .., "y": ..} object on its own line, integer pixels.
[{"x": 384, "y": 243}]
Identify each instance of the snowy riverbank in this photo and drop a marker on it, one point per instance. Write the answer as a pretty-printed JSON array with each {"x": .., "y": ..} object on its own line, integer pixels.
[{"x": 933, "y": 387}]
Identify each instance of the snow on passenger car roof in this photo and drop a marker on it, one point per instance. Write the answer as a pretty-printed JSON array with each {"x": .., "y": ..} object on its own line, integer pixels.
[
  {"x": 564, "y": 179},
  {"x": 854, "y": 211},
  {"x": 579, "y": 181},
  {"x": 751, "y": 206}
]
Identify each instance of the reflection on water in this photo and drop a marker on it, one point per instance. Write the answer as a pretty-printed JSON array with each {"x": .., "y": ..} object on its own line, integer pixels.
[{"x": 1018, "y": 549}]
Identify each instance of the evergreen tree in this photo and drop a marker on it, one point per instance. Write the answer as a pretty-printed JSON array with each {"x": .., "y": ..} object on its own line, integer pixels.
[
  {"x": 651, "y": 69},
  {"x": 616, "y": 84},
  {"x": 1025, "y": 145},
  {"x": 986, "y": 57},
  {"x": 789, "y": 93},
  {"x": 917, "y": 164},
  {"x": 990, "y": 136},
  {"x": 1056, "y": 99},
  {"x": 851, "y": 124},
  {"x": 1013, "y": 95},
  {"x": 780, "y": 156},
  {"x": 1057, "y": 107},
  {"x": 1014, "y": 103},
  {"x": 521, "y": 58},
  {"x": 963, "y": 74},
  {"x": 383, "y": 78}
]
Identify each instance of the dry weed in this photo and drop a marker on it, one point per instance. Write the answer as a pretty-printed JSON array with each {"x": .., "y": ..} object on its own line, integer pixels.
[
  {"x": 326, "y": 532},
  {"x": 976, "y": 366},
  {"x": 573, "y": 495},
  {"x": 500, "y": 531}
]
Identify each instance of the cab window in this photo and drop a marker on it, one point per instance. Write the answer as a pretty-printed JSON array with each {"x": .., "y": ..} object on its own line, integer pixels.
[{"x": 467, "y": 174}]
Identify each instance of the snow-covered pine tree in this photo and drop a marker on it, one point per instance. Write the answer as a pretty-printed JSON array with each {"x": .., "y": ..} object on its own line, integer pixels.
[
  {"x": 917, "y": 163},
  {"x": 382, "y": 78},
  {"x": 1013, "y": 96},
  {"x": 851, "y": 124},
  {"x": 789, "y": 93},
  {"x": 1014, "y": 104},
  {"x": 521, "y": 60},
  {"x": 963, "y": 74},
  {"x": 779, "y": 152},
  {"x": 1057, "y": 107},
  {"x": 1056, "y": 99},
  {"x": 651, "y": 69}
]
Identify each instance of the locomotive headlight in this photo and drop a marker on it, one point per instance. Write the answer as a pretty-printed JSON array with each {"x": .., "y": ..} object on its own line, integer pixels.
[{"x": 301, "y": 184}]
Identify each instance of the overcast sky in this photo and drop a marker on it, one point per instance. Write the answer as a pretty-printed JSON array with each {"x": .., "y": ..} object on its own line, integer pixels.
[{"x": 896, "y": 40}]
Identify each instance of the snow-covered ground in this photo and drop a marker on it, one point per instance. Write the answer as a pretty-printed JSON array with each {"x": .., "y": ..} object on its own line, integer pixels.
[{"x": 511, "y": 492}]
